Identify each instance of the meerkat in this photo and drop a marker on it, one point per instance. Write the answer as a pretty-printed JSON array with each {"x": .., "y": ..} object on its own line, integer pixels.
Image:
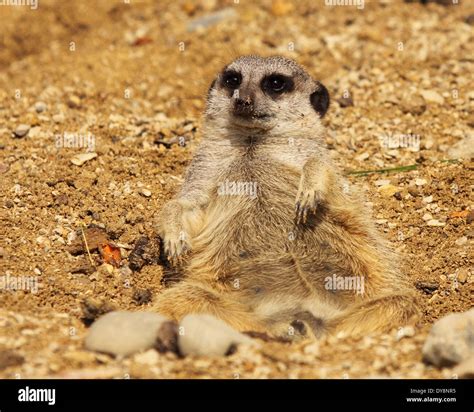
[{"x": 265, "y": 228}]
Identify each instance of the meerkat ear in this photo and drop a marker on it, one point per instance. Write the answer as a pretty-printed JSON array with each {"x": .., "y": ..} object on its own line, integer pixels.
[{"x": 320, "y": 99}]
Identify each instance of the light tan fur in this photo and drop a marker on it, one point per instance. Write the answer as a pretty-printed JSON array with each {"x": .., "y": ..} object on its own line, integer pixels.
[{"x": 261, "y": 263}]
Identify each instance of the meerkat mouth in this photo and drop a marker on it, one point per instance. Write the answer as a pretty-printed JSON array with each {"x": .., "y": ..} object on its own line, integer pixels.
[
  {"x": 252, "y": 116},
  {"x": 253, "y": 121}
]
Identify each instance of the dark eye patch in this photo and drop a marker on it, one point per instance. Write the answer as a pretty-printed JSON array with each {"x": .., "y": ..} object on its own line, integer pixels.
[
  {"x": 231, "y": 79},
  {"x": 276, "y": 84},
  {"x": 320, "y": 99}
]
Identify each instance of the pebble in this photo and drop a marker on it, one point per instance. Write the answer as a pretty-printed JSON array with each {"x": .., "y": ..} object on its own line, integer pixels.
[
  {"x": 59, "y": 118},
  {"x": 40, "y": 107},
  {"x": 22, "y": 130},
  {"x": 414, "y": 105},
  {"x": 420, "y": 182},
  {"x": 427, "y": 216},
  {"x": 281, "y": 7},
  {"x": 123, "y": 333},
  {"x": 82, "y": 158},
  {"x": 205, "y": 335},
  {"x": 435, "y": 223},
  {"x": 74, "y": 102},
  {"x": 450, "y": 340},
  {"x": 362, "y": 157},
  {"x": 382, "y": 182},
  {"x": 388, "y": 190},
  {"x": 345, "y": 101},
  {"x": 150, "y": 357},
  {"x": 464, "y": 149},
  {"x": 461, "y": 241},
  {"x": 427, "y": 199},
  {"x": 145, "y": 192},
  {"x": 35, "y": 132},
  {"x": 431, "y": 96},
  {"x": 462, "y": 275},
  {"x": 407, "y": 331},
  {"x": 211, "y": 19}
]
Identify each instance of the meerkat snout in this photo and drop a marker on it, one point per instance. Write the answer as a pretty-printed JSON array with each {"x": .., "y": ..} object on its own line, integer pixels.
[{"x": 263, "y": 93}]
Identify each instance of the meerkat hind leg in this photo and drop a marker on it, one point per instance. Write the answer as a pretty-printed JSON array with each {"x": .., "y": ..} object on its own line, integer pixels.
[{"x": 193, "y": 298}]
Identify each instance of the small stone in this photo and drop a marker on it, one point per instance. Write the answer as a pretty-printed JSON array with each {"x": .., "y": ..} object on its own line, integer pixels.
[
  {"x": 388, "y": 190},
  {"x": 428, "y": 287},
  {"x": 80, "y": 357},
  {"x": 40, "y": 107},
  {"x": 406, "y": 331},
  {"x": 94, "y": 308},
  {"x": 281, "y": 7},
  {"x": 433, "y": 298},
  {"x": 35, "y": 132},
  {"x": 345, "y": 101},
  {"x": 142, "y": 296},
  {"x": 61, "y": 199},
  {"x": 420, "y": 182},
  {"x": 462, "y": 275},
  {"x": 9, "y": 358},
  {"x": 150, "y": 357},
  {"x": 59, "y": 118},
  {"x": 145, "y": 192},
  {"x": 432, "y": 96},
  {"x": 463, "y": 149},
  {"x": 123, "y": 333},
  {"x": 428, "y": 199},
  {"x": 4, "y": 167},
  {"x": 414, "y": 105},
  {"x": 22, "y": 130},
  {"x": 435, "y": 223},
  {"x": 382, "y": 182},
  {"x": 82, "y": 158},
  {"x": 74, "y": 102},
  {"x": 450, "y": 340},
  {"x": 205, "y": 335},
  {"x": 362, "y": 157},
  {"x": 414, "y": 191},
  {"x": 207, "y": 20},
  {"x": 461, "y": 241},
  {"x": 427, "y": 216}
]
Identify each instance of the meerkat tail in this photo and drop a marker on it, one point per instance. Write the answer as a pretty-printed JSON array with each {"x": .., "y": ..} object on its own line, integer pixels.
[{"x": 377, "y": 315}]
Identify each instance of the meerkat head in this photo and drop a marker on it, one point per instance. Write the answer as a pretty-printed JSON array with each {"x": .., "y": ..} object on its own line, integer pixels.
[{"x": 261, "y": 93}]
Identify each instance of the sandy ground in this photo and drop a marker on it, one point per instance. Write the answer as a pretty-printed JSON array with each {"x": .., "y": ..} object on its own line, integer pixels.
[{"x": 134, "y": 77}]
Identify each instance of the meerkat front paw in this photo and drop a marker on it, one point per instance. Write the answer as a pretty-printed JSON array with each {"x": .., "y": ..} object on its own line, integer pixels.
[
  {"x": 176, "y": 245},
  {"x": 307, "y": 201}
]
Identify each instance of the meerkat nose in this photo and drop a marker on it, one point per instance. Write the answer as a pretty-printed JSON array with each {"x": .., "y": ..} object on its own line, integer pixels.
[{"x": 243, "y": 106}]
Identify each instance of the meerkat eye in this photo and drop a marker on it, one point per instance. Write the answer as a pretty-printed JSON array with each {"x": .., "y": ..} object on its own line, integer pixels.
[
  {"x": 231, "y": 79},
  {"x": 277, "y": 84}
]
